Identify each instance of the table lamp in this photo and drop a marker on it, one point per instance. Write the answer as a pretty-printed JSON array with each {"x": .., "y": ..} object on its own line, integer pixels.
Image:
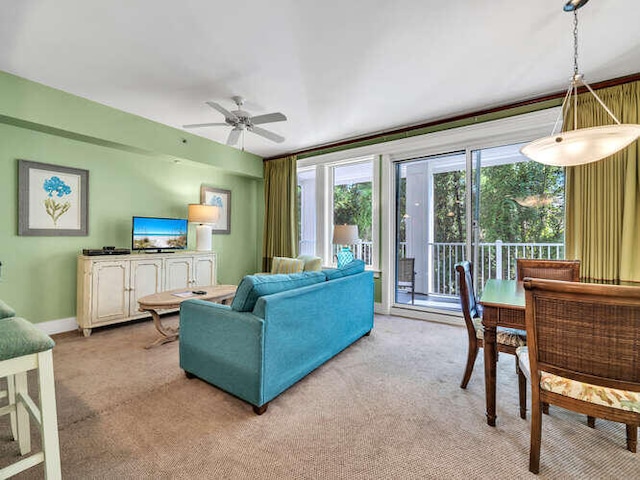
[
  {"x": 204, "y": 216},
  {"x": 345, "y": 235}
]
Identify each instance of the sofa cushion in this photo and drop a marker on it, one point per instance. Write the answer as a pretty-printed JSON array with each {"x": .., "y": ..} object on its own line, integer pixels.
[
  {"x": 351, "y": 268},
  {"x": 6, "y": 311},
  {"x": 311, "y": 263},
  {"x": 286, "y": 265},
  {"x": 253, "y": 287}
]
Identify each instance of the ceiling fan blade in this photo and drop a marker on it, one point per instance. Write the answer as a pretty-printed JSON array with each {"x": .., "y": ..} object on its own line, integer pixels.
[
  {"x": 268, "y": 118},
  {"x": 222, "y": 110},
  {"x": 267, "y": 134},
  {"x": 198, "y": 125},
  {"x": 234, "y": 135}
]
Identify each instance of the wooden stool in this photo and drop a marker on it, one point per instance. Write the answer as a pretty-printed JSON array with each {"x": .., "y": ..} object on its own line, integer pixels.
[{"x": 22, "y": 348}]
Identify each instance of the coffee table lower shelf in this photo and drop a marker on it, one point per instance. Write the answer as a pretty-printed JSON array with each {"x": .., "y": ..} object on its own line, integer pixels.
[{"x": 158, "y": 302}]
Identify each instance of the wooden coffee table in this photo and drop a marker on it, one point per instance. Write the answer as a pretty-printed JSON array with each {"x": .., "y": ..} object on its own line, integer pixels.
[{"x": 173, "y": 298}]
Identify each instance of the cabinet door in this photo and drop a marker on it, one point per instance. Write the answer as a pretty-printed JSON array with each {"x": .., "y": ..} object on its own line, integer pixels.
[
  {"x": 178, "y": 273},
  {"x": 146, "y": 279},
  {"x": 110, "y": 290},
  {"x": 204, "y": 271}
]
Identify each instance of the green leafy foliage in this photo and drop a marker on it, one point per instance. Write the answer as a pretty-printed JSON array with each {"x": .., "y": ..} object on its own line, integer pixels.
[{"x": 352, "y": 206}]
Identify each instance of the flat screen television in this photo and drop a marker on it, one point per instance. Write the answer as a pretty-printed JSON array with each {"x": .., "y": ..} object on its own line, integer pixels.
[{"x": 151, "y": 233}]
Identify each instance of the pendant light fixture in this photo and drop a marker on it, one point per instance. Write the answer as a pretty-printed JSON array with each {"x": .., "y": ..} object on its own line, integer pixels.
[{"x": 580, "y": 145}]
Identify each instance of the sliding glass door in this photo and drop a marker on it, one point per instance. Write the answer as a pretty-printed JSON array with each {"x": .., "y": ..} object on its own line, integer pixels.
[
  {"x": 488, "y": 205},
  {"x": 518, "y": 211},
  {"x": 431, "y": 228}
]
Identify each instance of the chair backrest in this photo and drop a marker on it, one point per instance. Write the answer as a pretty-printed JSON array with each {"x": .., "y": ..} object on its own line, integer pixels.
[
  {"x": 567, "y": 270},
  {"x": 406, "y": 270},
  {"x": 586, "y": 332},
  {"x": 468, "y": 301}
]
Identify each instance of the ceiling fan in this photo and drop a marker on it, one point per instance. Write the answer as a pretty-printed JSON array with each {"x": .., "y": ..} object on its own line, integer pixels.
[{"x": 241, "y": 120}]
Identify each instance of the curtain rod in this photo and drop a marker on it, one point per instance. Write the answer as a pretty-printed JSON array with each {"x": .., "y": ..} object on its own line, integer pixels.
[{"x": 545, "y": 98}]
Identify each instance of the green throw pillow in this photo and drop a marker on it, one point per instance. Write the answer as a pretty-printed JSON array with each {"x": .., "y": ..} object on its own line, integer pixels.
[
  {"x": 286, "y": 265},
  {"x": 311, "y": 263}
]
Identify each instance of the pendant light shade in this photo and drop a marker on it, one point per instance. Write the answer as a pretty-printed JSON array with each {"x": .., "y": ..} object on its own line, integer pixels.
[{"x": 580, "y": 145}]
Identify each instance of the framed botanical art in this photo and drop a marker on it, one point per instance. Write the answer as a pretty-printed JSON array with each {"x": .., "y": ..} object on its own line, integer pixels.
[
  {"x": 52, "y": 200},
  {"x": 219, "y": 198}
]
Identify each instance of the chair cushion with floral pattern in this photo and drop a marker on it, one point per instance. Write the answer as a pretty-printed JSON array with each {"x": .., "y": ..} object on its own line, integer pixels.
[
  {"x": 505, "y": 336},
  {"x": 587, "y": 392}
]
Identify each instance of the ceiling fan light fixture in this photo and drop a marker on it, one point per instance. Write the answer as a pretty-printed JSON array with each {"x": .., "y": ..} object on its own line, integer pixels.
[
  {"x": 242, "y": 121},
  {"x": 580, "y": 145}
]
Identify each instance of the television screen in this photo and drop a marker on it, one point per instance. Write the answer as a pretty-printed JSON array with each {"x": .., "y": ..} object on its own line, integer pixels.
[{"x": 159, "y": 233}]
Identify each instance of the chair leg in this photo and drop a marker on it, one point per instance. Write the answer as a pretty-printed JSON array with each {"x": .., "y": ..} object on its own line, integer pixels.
[
  {"x": 632, "y": 438},
  {"x": 536, "y": 436},
  {"x": 591, "y": 421},
  {"x": 22, "y": 414},
  {"x": 11, "y": 393},
  {"x": 471, "y": 360},
  {"x": 49, "y": 416},
  {"x": 545, "y": 408},
  {"x": 522, "y": 391}
]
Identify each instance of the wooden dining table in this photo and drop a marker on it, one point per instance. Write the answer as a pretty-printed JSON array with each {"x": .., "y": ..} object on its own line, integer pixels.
[{"x": 503, "y": 304}]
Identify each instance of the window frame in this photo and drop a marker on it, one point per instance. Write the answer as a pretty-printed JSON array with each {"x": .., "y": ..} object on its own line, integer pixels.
[{"x": 324, "y": 174}]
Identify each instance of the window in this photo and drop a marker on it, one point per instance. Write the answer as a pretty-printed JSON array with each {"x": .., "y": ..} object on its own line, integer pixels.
[
  {"x": 307, "y": 211},
  {"x": 337, "y": 193}
]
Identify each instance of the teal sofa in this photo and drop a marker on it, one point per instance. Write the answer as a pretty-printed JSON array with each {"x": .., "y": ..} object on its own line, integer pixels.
[{"x": 278, "y": 329}]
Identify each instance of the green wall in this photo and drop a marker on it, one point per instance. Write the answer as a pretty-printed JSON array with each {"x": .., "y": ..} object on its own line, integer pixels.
[{"x": 150, "y": 174}]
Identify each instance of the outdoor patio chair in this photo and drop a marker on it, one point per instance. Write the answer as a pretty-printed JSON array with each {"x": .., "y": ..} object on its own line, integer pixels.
[{"x": 407, "y": 275}]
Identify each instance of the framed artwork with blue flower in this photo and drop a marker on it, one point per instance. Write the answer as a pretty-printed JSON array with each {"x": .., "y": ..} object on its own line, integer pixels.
[
  {"x": 52, "y": 200},
  {"x": 222, "y": 199}
]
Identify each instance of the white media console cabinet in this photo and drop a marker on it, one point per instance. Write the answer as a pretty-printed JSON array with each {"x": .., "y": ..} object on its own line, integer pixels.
[{"x": 109, "y": 286}]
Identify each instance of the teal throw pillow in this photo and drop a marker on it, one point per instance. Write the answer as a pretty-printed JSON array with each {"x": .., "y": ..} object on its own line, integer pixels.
[
  {"x": 351, "y": 268},
  {"x": 253, "y": 287},
  {"x": 6, "y": 311}
]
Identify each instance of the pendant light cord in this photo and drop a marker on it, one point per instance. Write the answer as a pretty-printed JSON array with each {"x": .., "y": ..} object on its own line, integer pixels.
[
  {"x": 576, "y": 74},
  {"x": 575, "y": 42}
]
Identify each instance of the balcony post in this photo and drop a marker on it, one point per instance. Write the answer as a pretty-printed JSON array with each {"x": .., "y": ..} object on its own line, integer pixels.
[{"x": 499, "y": 259}]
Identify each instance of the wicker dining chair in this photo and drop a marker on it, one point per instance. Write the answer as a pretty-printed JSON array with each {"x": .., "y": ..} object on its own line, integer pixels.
[
  {"x": 568, "y": 270},
  {"x": 507, "y": 339},
  {"x": 582, "y": 354}
]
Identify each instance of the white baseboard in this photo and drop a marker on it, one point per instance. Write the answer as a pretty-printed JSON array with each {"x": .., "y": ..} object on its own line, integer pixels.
[
  {"x": 58, "y": 326},
  {"x": 450, "y": 318},
  {"x": 380, "y": 308}
]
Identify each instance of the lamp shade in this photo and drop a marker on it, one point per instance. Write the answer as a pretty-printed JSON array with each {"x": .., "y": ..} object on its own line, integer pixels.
[
  {"x": 580, "y": 146},
  {"x": 345, "y": 234},
  {"x": 199, "y": 213}
]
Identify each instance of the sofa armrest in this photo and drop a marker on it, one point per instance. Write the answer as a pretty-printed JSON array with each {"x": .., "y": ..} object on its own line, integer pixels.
[
  {"x": 217, "y": 323},
  {"x": 222, "y": 347}
]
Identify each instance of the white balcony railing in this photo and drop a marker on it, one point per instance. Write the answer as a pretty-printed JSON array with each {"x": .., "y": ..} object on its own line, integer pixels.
[{"x": 495, "y": 260}]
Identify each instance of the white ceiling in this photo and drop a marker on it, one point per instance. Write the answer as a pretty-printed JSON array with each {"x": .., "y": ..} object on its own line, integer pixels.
[{"x": 336, "y": 69}]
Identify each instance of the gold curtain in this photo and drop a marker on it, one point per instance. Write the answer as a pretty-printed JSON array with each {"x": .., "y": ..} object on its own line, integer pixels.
[
  {"x": 603, "y": 198},
  {"x": 280, "y": 221}
]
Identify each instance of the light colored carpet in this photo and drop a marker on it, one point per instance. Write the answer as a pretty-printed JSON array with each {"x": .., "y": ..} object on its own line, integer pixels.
[{"x": 388, "y": 407}]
